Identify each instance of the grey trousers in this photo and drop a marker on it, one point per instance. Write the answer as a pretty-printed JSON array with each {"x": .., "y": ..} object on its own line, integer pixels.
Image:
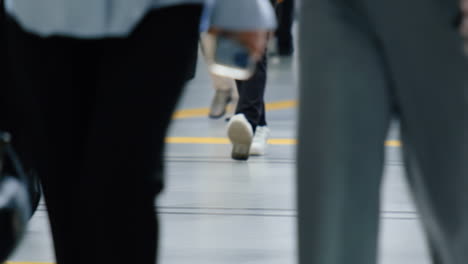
[{"x": 363, "y": 62}]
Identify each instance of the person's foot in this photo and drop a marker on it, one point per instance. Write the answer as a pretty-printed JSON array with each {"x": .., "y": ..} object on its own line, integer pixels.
[
  {"x": 231, "y": 108},
  {"x": 219, "y": 104},
  {"x": 286, "y": 51},
  {"x": 285, "y": 48},
  {"x": 240, "y": 134},
  {"x": 260, "y": 141}
]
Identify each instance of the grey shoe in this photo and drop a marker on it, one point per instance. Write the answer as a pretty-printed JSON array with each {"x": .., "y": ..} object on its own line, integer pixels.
[
  {"x": 219, "y": 104},
  {"x": 231, "y": 108},
  {"x": 240, "y": 134}
]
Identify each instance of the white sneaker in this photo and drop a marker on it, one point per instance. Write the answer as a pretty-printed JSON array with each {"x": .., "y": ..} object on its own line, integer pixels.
[
  {"x": 240, "y": 134},
  {"x": 260, "y": 141}
]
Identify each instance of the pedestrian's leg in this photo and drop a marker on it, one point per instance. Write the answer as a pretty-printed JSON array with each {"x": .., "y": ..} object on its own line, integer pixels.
[
  {"x": 262, "y": 121},
  {"x": 436, "y": 146},
  {"x": 345, "y": 108},
  {"x": 430, "y": 76},
  {"x": 105, "y": 118},
  {"x": 262, "y": 134},
  {"x": 51, "y": 120},
  {"x": 225, "y": 99},
  {"x": 249, "y": 111},
  {"x": 251, "y": 94},
  {"x": 225, "y": 88},
  {"x": 284, "y": 36},
  {"x": 135, "y": 99}
]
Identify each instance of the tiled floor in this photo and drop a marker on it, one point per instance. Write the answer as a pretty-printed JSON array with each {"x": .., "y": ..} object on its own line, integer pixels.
[{"x": 219, "y": 211}]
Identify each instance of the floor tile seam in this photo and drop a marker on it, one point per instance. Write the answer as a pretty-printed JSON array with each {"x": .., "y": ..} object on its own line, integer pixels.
[
  {"x": 382, "y": 216},
  {"x": 255, "y": 160},
  {"x": 224, "y": 208},
  {"x": 389, "y": 212},
  {"x": 233, "y": 162},
  {"x": 195, "y": 208},
  {"x": 251, "y": 161},
  {"x": 225, "y": 214},
  {"x": 265, "y": 209},
  {"x": 389, "y": 143}
]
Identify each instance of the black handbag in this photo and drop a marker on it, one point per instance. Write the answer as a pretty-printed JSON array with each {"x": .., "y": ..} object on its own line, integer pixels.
[
  {"x": 19, "y": 192},
  {"x": 15, "y": 201}
]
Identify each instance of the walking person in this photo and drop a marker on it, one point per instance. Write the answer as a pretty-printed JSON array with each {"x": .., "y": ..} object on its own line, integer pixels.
[
  {"x": 94, "y": 88},
  {"x": 361, "y": 64},
  {"x": 247, "y": 129},
  {"x": 247, "y": 99},
  {"x": 225, "y": 98},
  {"x": 284, "y": 36}
]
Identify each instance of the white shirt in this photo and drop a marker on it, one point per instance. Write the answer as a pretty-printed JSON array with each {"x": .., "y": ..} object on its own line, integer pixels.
[{"x": 117, "y": 18}]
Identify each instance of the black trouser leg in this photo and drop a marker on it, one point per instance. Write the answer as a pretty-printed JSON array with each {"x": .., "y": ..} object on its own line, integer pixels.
[
  {"x": 284, "y": 32},
  {"x": 101, "y": 111},
  {"x": 251, "y": 95}
]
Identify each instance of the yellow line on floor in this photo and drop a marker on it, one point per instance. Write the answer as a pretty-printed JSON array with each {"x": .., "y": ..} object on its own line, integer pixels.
[
  {"x": 189, "y": 113},
  {"x": 201, "y": 112},
  {"x": 393, "y": 143},
  {"x": 273, "y": 141},
  {"x": 196, "y": 140},
  {"x": 280, "y": 105}
]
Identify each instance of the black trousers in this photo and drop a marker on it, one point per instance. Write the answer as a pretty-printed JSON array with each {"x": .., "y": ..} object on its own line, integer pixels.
[
  {"x": 285, "y": 13},
  {"x": 95, "y": 113},
  {"x": 252, "y": 92},
  {"x": 251, "y": 95}
]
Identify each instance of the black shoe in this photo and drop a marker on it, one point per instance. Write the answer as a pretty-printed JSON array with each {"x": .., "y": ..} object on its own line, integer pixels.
[{"x": 285, "y": 50}]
